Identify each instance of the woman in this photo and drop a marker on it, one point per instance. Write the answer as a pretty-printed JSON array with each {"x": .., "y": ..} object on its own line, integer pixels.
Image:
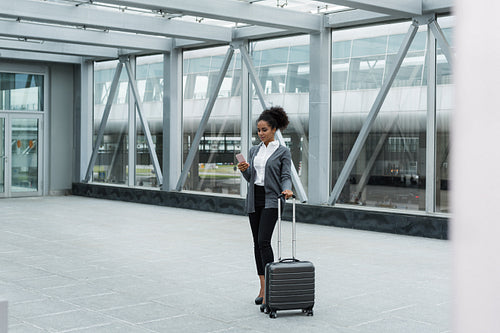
[{"x": 268, "y": 174}]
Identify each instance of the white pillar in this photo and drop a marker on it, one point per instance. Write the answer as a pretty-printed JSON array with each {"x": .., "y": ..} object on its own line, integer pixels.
[
  {"x": 475, "y": 225},
  {"x": 85, "y": 124},
  {"x": 319, "y": 117},
  {"x": 3, "y": 316}
]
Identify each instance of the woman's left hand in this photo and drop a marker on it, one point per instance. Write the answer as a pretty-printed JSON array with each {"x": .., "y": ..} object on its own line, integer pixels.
[{"x": 288, "y": 194}]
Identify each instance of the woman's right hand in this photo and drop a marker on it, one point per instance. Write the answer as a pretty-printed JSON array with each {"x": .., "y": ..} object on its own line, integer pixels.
[{"x": 243, "y": 166}]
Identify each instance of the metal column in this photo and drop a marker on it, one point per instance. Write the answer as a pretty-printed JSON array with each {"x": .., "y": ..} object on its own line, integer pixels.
[
  {"x": 132, "y": 131},
  {"x": 320, "y": 117},
  {"x": 430, "y": 172},
  {"x": 204, "y": 120},
  {"x": 105, "y": 116},
  {"x": 84, "y": 119},
  {"x": 301, "y": 193},
  {"x": 246, "y": 118},
  {"x": 372, "y": 115},
  {"x": 172, "y": 118}
]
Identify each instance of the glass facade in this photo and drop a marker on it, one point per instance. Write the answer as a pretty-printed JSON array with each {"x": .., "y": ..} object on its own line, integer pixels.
[{"x": 390, "y": 171}]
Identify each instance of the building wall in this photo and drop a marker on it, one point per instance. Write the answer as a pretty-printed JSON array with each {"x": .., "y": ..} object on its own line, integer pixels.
[{"x": 60, "y": 136}]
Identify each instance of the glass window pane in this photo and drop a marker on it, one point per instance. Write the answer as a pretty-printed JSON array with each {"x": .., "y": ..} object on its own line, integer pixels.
[
  {"x": 152, "y": 95},
  {"x": 214, "y": 168},
  {"x": 111, "y": 165},
  {"x": 287, "y": 85},
  {"x": 390, "y": 170},
  {"x": 445, "y": 96},
  {"x": 24, "y": 155},
  {"x": 2, "y": 155},
  {"x": 21, "y": 92}
]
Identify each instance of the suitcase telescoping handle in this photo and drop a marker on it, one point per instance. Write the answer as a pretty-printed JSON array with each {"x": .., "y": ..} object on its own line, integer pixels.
[{"x": 294, "y": 239}]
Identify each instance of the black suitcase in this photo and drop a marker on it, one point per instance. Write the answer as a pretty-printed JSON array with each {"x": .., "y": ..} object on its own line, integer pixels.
[{"x": 289, "y": 282}]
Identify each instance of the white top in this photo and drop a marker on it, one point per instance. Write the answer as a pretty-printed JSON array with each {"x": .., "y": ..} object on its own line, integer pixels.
[{"x": 260, "y": 160}]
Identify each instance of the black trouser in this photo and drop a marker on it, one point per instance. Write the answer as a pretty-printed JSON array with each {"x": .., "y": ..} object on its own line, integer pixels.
[{"x": 262, "y": 222}]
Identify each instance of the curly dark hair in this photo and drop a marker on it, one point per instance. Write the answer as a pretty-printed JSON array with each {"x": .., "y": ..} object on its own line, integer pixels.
[{"x": 276, "y": 117}]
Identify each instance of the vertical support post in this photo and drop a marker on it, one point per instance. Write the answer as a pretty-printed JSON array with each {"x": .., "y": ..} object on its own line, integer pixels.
[
  {"x": 430, "y": 172},
  {"x": 144, "y": 121},
  {"x": 172, "y": 118},
  {"x": 105, "y": 116},
  {"x": 4, "y": 323},
  {"x": 132, "y": 130},
  {"x": 372, "y": 115},
  {"x": 84, "y": 121},
  {"x": 246, "y": 118},
  {"x": 204, "y": 120},
  {"x": 442, "y": 42},
  {"x": 319, "y": 117},
  {"x": 301, "y": 193}
]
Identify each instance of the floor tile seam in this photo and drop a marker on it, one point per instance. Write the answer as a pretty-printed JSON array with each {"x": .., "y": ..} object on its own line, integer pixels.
[
  {"x": 413, "y": 320},
  {"x": 97, "y": 326},
  {"x": 161, "y": 319}
]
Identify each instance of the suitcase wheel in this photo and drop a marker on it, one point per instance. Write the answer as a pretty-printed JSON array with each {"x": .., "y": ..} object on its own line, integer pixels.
[
  {"x": 272, "y": 314},
  {"x": 309, "y": 312}
]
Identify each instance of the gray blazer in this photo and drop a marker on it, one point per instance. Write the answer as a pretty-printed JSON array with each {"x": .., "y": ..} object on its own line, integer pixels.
[{"x": 277, "y": 177}]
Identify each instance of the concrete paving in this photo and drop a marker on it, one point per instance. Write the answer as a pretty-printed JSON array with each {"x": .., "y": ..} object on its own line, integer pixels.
[{"x": 74, "y": 264}]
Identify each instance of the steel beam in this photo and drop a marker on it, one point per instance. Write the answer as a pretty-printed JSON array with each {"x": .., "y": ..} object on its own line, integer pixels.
[
  {"x": 234, "y": 11},
  {"x": 372, "y": 115},
  {"x": 301, "y": 193},
  {"x": 204, "y": 120},
  {"x": 430, "y": 160},
  {"x": 82, "y": 36},
  {"x": 105, "y": 116},
  {"x": 59, "y": 48},
  {"x": 34, "y": 56},
  {"x": 390, "y": 7},
  {"x": 144, "y": 121},
  {"x": 104, "y": 19},
  {"x": 442, "y": 42}
]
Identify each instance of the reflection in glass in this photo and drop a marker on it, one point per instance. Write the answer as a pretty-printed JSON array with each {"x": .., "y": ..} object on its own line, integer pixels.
[
  {"x": 24, "y": 158},
  {"x": 21, "y": 92},
  {"x": 2, "y": 155},
  {"x": 445, "y": 94},
  {"x": 214, "y": 169},
  {"x": 111, "y": 165},
  {"x": 149, "y": 75},
  {"x": 390, "y": 170},
  {"x": 283, "y": 69}
]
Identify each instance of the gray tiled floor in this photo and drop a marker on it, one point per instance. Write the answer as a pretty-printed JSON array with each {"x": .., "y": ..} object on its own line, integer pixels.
[{"x": 73, "y": 264}]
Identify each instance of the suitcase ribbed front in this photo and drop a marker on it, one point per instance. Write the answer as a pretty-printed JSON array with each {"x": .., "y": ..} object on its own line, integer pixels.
[{"x": 290, "y": 285}]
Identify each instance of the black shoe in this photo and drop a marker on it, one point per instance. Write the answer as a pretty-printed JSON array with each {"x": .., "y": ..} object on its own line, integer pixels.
[{"x": 259, "y": 300}]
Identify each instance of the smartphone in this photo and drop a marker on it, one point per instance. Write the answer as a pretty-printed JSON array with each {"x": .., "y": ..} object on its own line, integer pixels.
[{"x": 240, "y": 158}]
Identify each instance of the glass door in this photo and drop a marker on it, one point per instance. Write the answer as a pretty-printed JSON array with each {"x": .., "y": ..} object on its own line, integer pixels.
[
  {"x": 24, "y": 159},
  {"x": 3, "y": 156},
  {"x": 20, "y": 155}
]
